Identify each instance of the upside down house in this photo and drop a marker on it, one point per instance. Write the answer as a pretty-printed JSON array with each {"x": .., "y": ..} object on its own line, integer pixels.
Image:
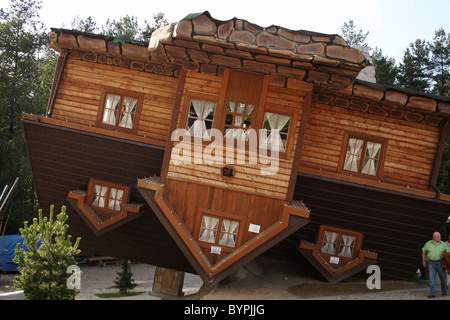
[{"x": 218, "y": 141}]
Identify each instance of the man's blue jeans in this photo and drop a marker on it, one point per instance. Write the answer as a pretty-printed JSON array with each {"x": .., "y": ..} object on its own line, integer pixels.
[{"x": 436, "y": 268}]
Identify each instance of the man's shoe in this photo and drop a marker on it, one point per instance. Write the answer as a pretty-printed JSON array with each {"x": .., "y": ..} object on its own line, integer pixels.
[
  {"x": 444, "y": 294},
  {"x": 430, "y": 296}
]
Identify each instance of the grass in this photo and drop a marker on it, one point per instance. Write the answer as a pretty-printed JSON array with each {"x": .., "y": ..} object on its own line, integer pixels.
[{"x": 118, "y": 294}]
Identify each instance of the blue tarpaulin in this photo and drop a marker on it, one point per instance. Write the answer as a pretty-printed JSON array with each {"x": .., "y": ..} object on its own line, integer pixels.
[{"x": 7, "y": 246}]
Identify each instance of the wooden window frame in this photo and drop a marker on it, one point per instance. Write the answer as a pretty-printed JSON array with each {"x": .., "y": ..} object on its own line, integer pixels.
[
  {"x": 287, "y": 111},
  {"x": 365, "y": 138},
  {"x": 342, "y": 259},
  {"x": 193, "y": 95},
  {"x": 108, "y": 185},
  {"x": 122, "y": 94},
  {"x": 221, "y": 216},
  {"x": 258, "y": 111}
]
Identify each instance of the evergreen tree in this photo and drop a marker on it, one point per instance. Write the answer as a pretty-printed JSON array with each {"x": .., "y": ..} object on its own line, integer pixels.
[
  {"x": 127, "y": 28},
  {"x": 440, "y": 63},
  {"x": 26, "y": 75},
  {"x": 50, "y": 252},
  {"x": 414, "y": 72},
  {"x": 353, "y": 37},
  {"x": 159, "y": 21},
  {"x": 85, "y": 25},
  {"x": 385, "y": 68},
  {"x": 124, "y": 280}
]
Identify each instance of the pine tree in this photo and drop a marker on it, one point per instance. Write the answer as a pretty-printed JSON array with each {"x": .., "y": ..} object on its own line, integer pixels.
[
  {"x": 124, "y": 280},
  {"x": 353, "y": 37},
  {"x": 440, "y": 63},
  {"x": 26, "y": 76},
  {"x": 385, "y": 68},
  {"x": 50, "y": 252},
  {"x": 414, "y": 72}
]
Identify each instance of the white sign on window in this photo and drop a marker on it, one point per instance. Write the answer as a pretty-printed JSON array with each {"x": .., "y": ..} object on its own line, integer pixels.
[
  {"x": 334, "y": 260},
  {"x": 254, "y": 228},
  {"x": 216, "y": 250}
]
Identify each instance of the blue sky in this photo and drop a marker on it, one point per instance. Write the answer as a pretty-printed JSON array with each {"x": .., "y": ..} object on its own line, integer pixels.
[{"x": 393, "y": 24}]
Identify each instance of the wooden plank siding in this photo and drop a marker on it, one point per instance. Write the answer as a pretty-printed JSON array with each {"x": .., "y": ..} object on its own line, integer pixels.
[
  {"x": 79, "y": 96},
  {"x": 255, "y": 209},
  {"x": 410, "y": 152},
  {"x": 248, "y": 176}
]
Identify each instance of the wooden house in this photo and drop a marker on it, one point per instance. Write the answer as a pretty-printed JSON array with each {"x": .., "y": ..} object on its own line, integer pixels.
[{"x": 217, "y": 141}]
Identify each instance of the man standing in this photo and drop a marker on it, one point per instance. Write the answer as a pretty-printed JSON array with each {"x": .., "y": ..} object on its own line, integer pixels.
[{"x": 432, "y": 253}]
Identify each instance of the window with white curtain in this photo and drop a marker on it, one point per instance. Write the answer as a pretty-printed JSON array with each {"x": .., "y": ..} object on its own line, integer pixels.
[
  {"x": 200, "y": 118},
  {"x": 362, "y": 156},
  {"x": 208, "y": 230},
  {"x": 228, "y": 233},
  {"x": 104, "y": 195},
  {"x": 339, "y": 242},
  {"x": 330, "y": 242},
  {"x": 120, "y": 111},
  {"x": 275, "y": 131},
  {"x": 218, "y": 230},
  {"x": 128, "y": 112},
  {"x": 347, "y": 246}
]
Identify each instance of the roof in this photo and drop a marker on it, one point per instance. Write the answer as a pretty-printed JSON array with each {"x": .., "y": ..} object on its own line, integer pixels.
[
  {"x": 324, "y": 60},
  {"x": 237, "y": 43}
]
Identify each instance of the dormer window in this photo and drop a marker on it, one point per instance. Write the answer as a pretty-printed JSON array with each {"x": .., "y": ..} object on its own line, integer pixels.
[
  {"x": 106, "y": 196},
  {"x": 219, "y": 230},
  {"x": 104, "y": 206}
]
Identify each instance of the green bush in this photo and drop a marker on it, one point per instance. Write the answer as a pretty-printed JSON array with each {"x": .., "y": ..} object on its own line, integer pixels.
[{"x": 50, "y": 252}]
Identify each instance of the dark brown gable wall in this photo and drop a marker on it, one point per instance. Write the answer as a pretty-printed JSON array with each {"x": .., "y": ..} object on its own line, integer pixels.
[
  {"x": 63, "y": 160},
  {"x": 394, "y": 225}
]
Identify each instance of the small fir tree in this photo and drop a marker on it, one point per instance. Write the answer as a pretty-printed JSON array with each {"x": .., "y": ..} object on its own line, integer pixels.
[
  {"x": 124, "y": 280},
  {"x": 50, "y": 252}
]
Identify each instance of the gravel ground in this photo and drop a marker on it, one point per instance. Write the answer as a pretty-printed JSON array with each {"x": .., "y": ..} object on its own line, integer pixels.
[{"x": 280, "y": 281}]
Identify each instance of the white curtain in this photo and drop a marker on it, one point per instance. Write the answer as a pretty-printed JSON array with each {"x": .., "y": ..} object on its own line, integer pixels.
[
  {"x": 128, "y": 112},
  {"x": 273, "y": 141},
  {"x": 115, "y": 199},
  {"x": 202, "y": 110},
  {"x": 371, "y": 158},
  {"x": 353, "y": 154},
  {"x": 111, "y": 108},
  {"x": 98, "y": 198},
  {"x": 329, "y": 242},
  {"x": 228, "y": 233},
  {"x": 208, "y": 230},
  {"x": 347, "y": 246}
]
